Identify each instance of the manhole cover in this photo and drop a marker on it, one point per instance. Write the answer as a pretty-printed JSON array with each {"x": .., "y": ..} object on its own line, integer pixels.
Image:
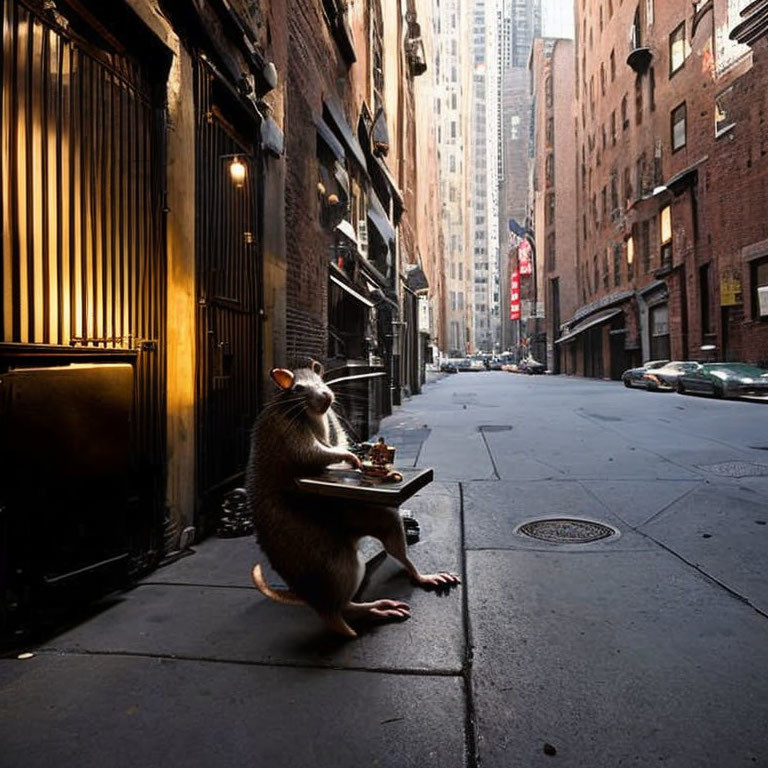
[
  {"x": 566, "y": 531},
  {"x": 737, "y": 469}
]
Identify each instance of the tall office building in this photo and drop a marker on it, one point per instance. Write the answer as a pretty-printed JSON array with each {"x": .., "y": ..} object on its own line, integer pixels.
[
  {"x": 486, "y": 159},
  {"x": 451, "y": 111},
  {"x": 520, "y": 23}
]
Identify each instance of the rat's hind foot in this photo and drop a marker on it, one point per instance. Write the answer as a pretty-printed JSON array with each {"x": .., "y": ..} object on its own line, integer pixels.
[
  {"x": 440, "y": 581},
  {"x": 381, "y": 610},
  {"x": 338, "y": 625}
]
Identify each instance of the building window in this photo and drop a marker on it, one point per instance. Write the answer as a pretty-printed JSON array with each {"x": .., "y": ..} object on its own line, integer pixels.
[
  {"x": 613, "y": 127},
  {"x": 602, "y": 79},
  {"x": 550, "y": 214},
  {"x": 677, "y": 49},
  {"x": 678, "y": 131},
  {"x": 550, "y": 130},
  {"x": 627, "y": 185},
  {"x": 617, "y": 264},
  {"x": 652, "y": 89},
  {"x": 624, "y": 113},
  {"x": 550, "y": 169},
  {"x": 759, "y": 269},
  {"x": 595, "y": 272},
  {"x": 665, "y": 236},
  {"x": 551, "y": 259},
  {"x": 638, "y": 100},
  {"x": 548, "y": 91},
  {"x": 645, "y": 246},
  {"x": 606, "y": 270},
  {"x": 640, "y": 180},
  {"x": 630, "y": 257},
  {"x": 723, "y": 117},
  {"x": 635, "y": 33},
  {"x": 613, "y": 65}
]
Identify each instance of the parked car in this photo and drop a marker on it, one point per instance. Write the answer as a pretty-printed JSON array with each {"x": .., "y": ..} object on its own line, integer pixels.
[
  {"x": 725, "y": 380},
  {"x": 530, "y": 366},
  {"x": 498, "y": 362},
  {"x": 665, "y": 377},
  {"x": 634, "y": 377},
  {"x": 449, "y": 366}
]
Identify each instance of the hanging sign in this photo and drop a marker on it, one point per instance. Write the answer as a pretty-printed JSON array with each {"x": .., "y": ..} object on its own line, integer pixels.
[
  {"x": 524, "y": 258},
  {"x": 514, "y": 296}
]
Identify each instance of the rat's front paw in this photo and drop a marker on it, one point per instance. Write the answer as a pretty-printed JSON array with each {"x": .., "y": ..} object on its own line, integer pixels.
[{"x": 353, "y": 460}]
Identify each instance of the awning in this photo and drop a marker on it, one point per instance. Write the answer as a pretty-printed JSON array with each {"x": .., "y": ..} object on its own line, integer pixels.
[
  {"x": 416, "y": 280},
  {"x": 335, "y": 115},
  {"x": 600, "y": 317},
  {"x": 346, "y": 229},
  {"x": 397, "y": 196},
  {"x": 329, "y": 139},
  {"x": 685, "y": 178},
  {"x": 351, "y": 291},
  {"x": 380, "y": 220}
]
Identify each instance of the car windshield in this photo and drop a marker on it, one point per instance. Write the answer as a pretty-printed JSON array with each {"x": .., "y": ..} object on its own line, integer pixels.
[
  {"x": 737, "y": 369},
  {"x": 651, "y": 364}
]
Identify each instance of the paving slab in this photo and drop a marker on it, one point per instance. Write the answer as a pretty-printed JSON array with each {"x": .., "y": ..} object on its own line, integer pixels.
[
  {"x": 723, "y": 531},
  {"x": 457, "y": 453},
  {"x": 637, "y": 501},
  {"x": 176, "y": 612},
  {"x": 620, "y": 658},
  {"x": 494, "y": 510},
  {"x": 90, "y": 712}
]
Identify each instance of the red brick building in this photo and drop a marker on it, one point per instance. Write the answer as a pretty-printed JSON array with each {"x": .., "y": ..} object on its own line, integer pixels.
[{"x": 671, "y": 176}]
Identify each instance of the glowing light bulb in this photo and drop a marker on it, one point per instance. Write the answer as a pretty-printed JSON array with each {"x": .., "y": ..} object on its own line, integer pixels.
[{"x": 237, "y": 172}]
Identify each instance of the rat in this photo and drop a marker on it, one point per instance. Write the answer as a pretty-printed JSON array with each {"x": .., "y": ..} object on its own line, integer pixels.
[{"x": 313, "y": 542}]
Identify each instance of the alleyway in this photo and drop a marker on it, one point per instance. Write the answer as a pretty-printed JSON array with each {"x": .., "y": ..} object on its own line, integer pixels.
[{"x": 644, "y": 648}]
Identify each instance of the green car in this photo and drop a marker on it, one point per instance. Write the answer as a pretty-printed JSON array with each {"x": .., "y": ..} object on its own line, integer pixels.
[{"x": 725, "y": 380}]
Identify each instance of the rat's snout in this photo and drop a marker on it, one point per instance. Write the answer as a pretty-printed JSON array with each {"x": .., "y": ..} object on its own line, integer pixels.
[{"x": 321, "y": 401}]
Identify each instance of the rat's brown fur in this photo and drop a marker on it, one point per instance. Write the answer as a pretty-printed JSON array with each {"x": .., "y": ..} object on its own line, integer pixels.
[{"x": 313, "y": 543}]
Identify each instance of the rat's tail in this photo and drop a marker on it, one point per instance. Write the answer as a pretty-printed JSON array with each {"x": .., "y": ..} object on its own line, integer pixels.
[{"x": 283, "y": 596}]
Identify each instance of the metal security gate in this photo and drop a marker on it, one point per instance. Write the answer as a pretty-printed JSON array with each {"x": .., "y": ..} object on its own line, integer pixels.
[
  {"x": 228, "y": 285},
  {"x": 83, "y": 267}
]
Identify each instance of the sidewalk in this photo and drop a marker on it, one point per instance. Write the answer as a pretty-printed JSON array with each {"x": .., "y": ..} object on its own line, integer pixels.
[{"x": 193, "y": 667}]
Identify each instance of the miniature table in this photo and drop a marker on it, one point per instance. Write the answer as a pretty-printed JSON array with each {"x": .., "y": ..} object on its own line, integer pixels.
[{"x": 353, "y": 485}]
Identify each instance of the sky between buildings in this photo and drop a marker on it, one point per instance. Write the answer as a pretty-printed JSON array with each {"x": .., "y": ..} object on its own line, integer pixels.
[{"x": 557, "y": 18}]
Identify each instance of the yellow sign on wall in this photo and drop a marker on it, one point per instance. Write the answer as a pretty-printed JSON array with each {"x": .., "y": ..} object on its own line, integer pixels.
[{"x": 730, "y": 291}]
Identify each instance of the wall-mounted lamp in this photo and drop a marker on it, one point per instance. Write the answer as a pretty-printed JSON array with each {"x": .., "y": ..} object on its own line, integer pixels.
[
  {"x": 237, "y": 172},
  {"x": 630, "y": 250}
]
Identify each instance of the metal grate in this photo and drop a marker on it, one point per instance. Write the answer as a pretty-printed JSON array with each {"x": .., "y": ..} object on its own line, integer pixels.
[
  {"x": 228, "y": 283},
  {"x": 566, "y": 531}
]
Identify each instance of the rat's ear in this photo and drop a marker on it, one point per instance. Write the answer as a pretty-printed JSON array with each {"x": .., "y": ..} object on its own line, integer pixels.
[
  {"x": 282, "y": 377},
  {"x": 317, "y": 368}
]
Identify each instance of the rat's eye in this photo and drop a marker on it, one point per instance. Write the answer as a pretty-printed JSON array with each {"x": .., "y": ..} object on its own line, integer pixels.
[{"x": 299, "y": 388}]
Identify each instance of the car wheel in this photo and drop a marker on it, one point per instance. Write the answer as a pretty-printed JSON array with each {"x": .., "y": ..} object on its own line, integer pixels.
[
  {"x": 627, "y": 383},
  {"x": 718, "y": 392},
  {"x": 680, "y": 387}
]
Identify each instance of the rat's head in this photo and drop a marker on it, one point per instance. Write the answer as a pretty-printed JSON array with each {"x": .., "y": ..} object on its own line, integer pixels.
[{"x": 305, "y": 385}]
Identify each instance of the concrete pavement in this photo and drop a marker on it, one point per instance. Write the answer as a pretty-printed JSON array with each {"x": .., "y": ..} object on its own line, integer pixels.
[{"x": 644, "y": 648}]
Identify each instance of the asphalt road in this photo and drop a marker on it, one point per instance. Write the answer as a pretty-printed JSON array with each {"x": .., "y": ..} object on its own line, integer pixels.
[{"x": 644, "y": 648}]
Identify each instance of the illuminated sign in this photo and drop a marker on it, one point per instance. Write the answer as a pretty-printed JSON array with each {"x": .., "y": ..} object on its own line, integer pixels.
[{"x": 514, "y": 296}]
